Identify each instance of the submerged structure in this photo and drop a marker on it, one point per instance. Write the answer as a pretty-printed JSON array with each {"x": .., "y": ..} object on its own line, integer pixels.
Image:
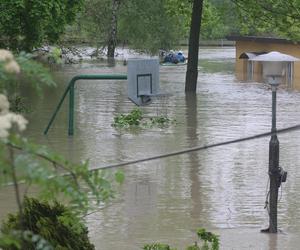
[
  {"x": 143, "y": 80},
  {"x": 283, "y": 61}
]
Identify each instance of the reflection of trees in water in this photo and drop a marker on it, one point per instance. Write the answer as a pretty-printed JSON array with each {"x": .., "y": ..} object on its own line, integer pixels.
[{"x": 195, "y": 165}]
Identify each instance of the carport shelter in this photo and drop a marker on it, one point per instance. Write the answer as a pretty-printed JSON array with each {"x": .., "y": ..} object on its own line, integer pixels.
[{"x": 248, "y": 47}]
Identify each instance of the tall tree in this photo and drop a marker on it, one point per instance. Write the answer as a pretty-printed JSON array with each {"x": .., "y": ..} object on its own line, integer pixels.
[
  {"x": 192, "y": 66},
  {"x": 96, "y": 22},
  {"x": 150, "y": 25},
  {"x": 112, "y": 39}
]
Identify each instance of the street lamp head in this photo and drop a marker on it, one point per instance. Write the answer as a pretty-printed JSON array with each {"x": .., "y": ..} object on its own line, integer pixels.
[{"x": 274, "y": 80}]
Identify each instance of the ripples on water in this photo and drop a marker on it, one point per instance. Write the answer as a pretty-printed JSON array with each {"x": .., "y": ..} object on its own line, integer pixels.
[{"x": 167, "y": 200}]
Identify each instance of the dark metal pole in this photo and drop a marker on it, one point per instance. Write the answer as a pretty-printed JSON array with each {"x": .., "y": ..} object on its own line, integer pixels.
[{"x": 274, "y": 171}]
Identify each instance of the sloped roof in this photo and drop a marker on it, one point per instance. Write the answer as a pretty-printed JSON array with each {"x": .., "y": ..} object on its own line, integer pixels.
[
  {"x": 275, "y": 56},
  {"x": 250, "y": 55},
  {"x": 260, "y": 39}
]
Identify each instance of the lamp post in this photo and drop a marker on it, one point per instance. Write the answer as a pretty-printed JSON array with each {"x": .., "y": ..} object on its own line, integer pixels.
[
  {"x": 276, "y": 174},
  {"x": 273, "y": 160}
]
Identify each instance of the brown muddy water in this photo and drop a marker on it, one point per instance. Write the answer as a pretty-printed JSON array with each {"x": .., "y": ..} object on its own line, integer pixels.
[{"x": 221, "y": 189}]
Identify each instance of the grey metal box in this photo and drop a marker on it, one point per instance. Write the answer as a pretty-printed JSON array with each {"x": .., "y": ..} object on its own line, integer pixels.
[{"x": 143, "y": 80}]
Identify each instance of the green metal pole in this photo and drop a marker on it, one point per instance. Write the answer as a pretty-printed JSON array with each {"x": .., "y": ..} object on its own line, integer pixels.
[
  {"x": 71, "y": 88},
  {"x": 56, "y": 110},
  {"x": 71, "y": 108}
]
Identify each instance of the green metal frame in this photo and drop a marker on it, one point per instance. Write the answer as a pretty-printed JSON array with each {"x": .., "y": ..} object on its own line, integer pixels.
[{"x": 71, "y": 90}]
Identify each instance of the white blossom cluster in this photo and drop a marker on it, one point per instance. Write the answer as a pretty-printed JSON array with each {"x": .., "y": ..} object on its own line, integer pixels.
[
  {"x": 10, "y": 65},
  {"x": 9, "y": 119}
]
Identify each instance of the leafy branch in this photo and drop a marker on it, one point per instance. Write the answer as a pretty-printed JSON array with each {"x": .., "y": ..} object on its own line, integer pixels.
[{"x": 54, "y": 175}]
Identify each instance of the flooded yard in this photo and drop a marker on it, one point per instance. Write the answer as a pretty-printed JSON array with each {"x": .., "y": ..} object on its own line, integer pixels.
[{"x": 222, "y": 189}]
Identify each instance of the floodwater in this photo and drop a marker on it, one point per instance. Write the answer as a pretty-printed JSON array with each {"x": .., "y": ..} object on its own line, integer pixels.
[{"x": 222, "y": 189}]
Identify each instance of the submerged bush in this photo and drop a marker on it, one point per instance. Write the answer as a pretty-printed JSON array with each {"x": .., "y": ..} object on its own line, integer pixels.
[
  {"x": 132, "y": 119},
  {"x": 136, "y": 118},
  {"x": 157, "y": 246},
  {"x": 54, "y": 223},
  {"x": 210, "y": 241}
]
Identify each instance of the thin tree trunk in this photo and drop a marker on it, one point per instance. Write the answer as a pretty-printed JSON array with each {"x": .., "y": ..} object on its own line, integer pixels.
[
  {"x": 192, "y": 66},
  {"x": 112, "y": 40}
]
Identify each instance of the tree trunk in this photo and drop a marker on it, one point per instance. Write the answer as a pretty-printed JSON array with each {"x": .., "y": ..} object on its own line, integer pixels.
[
  {"x": 192, "y": 66},
  {"x": 112, "y": 40}
]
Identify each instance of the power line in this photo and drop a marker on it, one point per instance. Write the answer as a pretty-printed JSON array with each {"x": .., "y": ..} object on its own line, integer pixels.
[
  {"x": 200, "y": 148},
  {"x": 186, "y": 151}
]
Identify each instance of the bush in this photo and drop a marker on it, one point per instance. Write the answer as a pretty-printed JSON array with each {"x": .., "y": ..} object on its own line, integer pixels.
[
  {"x": 55, "y": 223},
  {"x": 157, "y": 246}
]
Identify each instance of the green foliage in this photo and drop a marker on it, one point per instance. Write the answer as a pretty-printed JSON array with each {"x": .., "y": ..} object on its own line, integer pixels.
[
  {"x": 54, "y": 223},
  {"x": 136, "y": 118},
  {"x": 120, "y": 177},
  {"x": 210, "y": 242},
  {"x": 160, "y": 120},
  {"x": 16, "y": 239},
  {"x": 53, "y": 176},
  {"x": 212, "y": 26},
  {"x": 218, "y": 20},
  {"x": 194, "y": 247},
  {"x": 34, "y": 72},
  {"x": 157, "y": 246},
  {"x": 55, "y": 55},
  {"x": 270, "y": 17},
  {"x": 182, "y": 10},
  {"x": 95, "y": 21},
  {"x": 26, "y": 24},
  {"x": 148, "y": 26},
  {"x": 132, "y": 119},
  {"x": 37, "y": 165},
  {"x": 31, "y": 72},
  {"x": 143, "y": 25}
]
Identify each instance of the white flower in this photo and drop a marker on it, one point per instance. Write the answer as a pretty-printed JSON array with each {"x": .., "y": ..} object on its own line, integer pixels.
[
  {"x": 5, "y": 125},
  {"x": 5, "y": 55},
  {"x": 18, "y": 120},
  {"x": 4, "y": 105},
  {"x": 8, "y": 119},
  {"x": 12, "y": 67}
]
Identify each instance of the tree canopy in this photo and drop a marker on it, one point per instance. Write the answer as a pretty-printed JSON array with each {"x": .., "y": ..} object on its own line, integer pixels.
[
  {"x": 270, "y": 17},
  {"x": 149, "y": 26},
  {"x": 25, "y": 24}
]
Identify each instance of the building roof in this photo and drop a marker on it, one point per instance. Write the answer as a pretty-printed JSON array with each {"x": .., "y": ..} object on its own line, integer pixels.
[
  {"x": 250, "y": 55},
  {"x": 260, "y": 39},
  {"x": 274, "y": 56}
]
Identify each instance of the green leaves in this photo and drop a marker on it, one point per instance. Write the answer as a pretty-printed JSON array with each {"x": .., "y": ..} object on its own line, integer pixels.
[
  {"x": 44, "y": 226},
  {"x": 157, "y": 246},
  {"x": 210, "y": 242},
  {"x": 25, "y": 24},
  {"x": 271, "y": 17},
  {"x": 57, "y": 177},
  {"x": 119, "y": 177},
  {"x": 31, "y": 72},
  {"x": 136, "y": 118},
  {"x": 149, "y": 26},
  {"x": 132, "y": 119}
]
